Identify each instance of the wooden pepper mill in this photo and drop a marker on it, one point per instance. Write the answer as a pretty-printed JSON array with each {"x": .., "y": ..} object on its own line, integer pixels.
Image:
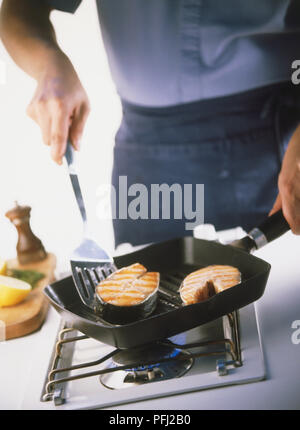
[{"x": 29, "y": 247}]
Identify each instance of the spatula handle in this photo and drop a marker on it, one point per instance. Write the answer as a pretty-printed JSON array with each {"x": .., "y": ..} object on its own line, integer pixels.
[
  {"x": 70, "y": 158},
  {"x": 270, "y": 229}
]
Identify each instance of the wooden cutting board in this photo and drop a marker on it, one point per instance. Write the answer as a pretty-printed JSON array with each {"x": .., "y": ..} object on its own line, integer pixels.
[{"x": 30, "y": 314}]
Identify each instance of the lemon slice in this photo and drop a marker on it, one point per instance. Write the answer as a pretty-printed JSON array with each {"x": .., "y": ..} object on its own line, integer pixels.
[
  {"x": 2, "y": 266},
  {"x": 12, "y": 291}
]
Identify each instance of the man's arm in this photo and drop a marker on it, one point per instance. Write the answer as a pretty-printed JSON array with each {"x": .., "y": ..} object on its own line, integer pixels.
[{"x": 60, "y": 105}]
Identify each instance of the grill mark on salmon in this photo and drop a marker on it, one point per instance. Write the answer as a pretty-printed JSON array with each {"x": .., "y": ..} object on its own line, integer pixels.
[
  {"x": 203, "y": 283},
  {"x": 128, "y": 286}
]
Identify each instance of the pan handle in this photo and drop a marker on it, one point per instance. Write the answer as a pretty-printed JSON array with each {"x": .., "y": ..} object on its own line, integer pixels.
[{"x": 269, "y": 230}]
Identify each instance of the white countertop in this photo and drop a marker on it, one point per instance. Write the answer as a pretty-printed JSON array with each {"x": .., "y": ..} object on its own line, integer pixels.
[{"x": 277, "y": 310}]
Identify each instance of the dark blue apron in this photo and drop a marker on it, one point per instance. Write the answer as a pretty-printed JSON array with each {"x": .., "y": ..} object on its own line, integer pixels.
[{"x": 233, "y": 145}]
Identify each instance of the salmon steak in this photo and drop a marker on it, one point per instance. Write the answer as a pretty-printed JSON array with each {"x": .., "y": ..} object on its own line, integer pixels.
[
  {"x": 128, "y": 294},
  {"x": 204, "y": 283}
]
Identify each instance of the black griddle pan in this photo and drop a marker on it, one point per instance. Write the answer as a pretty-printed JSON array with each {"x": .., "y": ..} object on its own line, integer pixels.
[{"x": 175, "y": 259}]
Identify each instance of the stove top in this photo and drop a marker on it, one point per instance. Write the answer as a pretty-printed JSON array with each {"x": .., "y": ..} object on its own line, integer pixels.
[{"x": 87, "y": 374}]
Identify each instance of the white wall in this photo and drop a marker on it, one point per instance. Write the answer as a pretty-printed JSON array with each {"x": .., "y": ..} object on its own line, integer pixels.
[{"x": 27, "y": 173}]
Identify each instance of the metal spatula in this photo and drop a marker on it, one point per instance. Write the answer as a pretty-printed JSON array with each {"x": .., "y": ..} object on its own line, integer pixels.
[{"x": 89, "y": 262}]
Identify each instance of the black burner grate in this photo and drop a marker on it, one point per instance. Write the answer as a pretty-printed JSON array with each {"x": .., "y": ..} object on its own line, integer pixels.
[{"x": 60, "y": 373}]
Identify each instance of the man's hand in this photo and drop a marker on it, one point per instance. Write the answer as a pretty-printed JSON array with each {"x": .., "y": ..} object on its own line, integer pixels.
[
  {"x": 289, "y": 184},
  {"x": 59, "y": 106}
]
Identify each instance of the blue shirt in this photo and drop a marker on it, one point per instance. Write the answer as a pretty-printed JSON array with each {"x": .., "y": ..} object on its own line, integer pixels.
[{"x": 168, "y": 52}]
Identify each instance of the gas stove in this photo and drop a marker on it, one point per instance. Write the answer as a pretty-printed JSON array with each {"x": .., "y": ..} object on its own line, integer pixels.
[
  {"x": 269, "y": 321},
  {"x": 84, "y": 373}
]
